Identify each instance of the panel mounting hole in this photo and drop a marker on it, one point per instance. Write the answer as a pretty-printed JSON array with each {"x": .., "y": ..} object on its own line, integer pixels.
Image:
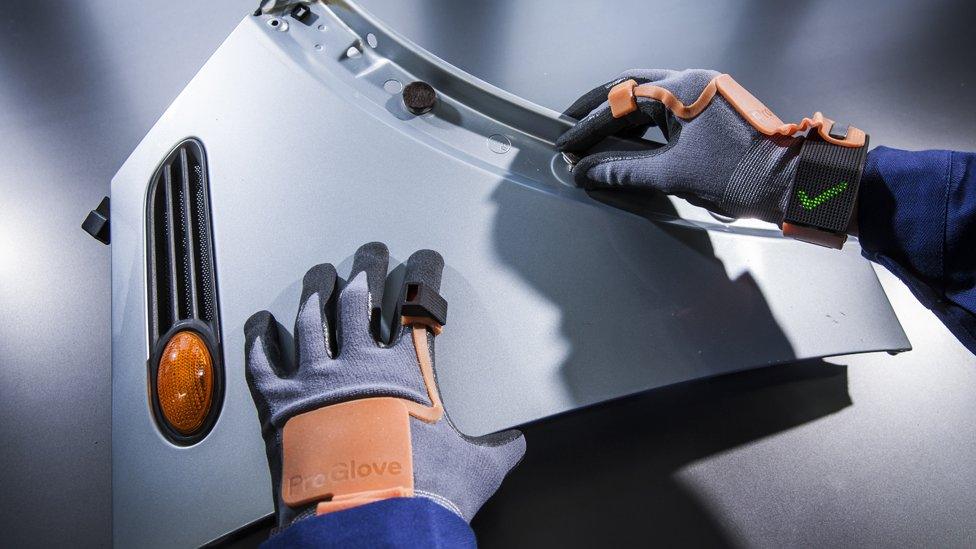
[
  {"x": 321, "y": 27},
  {"x": 318, "y": 47},
  {"x": 499, "y": 144},
  {"x": 371, "y": 40},
  {"x": 393, "y": 86}
]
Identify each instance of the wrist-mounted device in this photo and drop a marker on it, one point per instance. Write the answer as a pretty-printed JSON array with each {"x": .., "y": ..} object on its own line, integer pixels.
[{"x": 825, "y": 188}]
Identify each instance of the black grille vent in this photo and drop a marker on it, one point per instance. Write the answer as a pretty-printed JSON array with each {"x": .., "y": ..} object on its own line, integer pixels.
[
  {"x": 181, "y": 264},
  {"x": 182, "y": 282}
]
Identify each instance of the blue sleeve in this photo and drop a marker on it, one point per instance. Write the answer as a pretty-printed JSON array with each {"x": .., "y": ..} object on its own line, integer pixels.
[
  {"x": 398, "y": 522},
  {"x": 917, "y": 217}
]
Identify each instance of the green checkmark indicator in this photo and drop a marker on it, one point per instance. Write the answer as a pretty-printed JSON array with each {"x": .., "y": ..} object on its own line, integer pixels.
[{"x": 811, "y": 203}]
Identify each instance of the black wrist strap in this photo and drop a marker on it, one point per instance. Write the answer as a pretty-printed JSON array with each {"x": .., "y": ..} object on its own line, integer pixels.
[{"x": 824, "y": 191}]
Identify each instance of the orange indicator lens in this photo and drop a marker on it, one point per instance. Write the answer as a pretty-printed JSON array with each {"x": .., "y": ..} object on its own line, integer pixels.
[{"x": 184, "y": 382}]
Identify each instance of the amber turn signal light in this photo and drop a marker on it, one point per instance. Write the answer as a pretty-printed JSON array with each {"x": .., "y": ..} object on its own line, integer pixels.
[{"x": 185, "y": 382}]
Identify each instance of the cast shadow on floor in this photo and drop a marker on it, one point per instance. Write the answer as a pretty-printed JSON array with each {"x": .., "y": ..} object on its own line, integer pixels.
[{"x": 605, "y": 476}]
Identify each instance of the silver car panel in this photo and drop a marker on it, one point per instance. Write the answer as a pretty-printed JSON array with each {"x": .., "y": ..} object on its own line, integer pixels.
[{"x": 557, "y": 300}]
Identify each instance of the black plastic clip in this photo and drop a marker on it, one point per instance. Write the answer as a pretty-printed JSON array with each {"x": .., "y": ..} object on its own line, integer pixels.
[
  {"x": 96, "y": 224},
  {"x": 421, "y": 301},
  {"x": 301, "y": 12},
  {"x": 839, "y": 131}
]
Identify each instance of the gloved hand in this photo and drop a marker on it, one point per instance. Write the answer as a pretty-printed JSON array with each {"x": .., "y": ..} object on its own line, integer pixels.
[
  {"x": 725, "y": 151},
  {"x": 355, "y": 420}
]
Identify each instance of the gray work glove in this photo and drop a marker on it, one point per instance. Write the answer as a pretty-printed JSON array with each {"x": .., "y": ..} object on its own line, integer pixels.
[
  {"x": 340, "y": 359},
  {"x": 715, "y": 160}
]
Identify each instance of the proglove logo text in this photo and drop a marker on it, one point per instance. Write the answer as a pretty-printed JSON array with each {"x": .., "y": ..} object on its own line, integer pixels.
[
  {"x": 342, "y": 472},
  {"x": 353, "y": 470}
]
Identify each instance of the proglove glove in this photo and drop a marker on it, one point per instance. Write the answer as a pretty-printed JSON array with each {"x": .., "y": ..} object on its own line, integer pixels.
[
  {"x": 725, "y": 151},
  {"x": 355, "y": 419}
]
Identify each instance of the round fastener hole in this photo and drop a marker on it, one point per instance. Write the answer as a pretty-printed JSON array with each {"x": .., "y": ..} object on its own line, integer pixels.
[
  {"x": 499, "y": 144},
  {"x": 321, "y": 27},
  {"x": 278, "y": 24},
  {"x": 318, "y": 47},
  {"x": 393, "y": 86}
]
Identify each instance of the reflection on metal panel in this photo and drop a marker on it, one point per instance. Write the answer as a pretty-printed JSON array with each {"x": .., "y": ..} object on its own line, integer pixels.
[{"x": 558, "y": 300}]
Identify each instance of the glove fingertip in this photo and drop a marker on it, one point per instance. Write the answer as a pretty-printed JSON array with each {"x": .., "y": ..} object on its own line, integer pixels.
[
  {"x": 583, "y": 174},
  {"x": 257, "y": 325},
  {"x": 426, "y": 266},
  {"x": 564, "y": 143},
  {"x": 373, "y": 259},
  {"x": 319, "y": 279}
]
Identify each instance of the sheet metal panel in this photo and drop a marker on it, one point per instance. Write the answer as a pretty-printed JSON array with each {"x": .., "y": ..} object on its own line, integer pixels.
[{"x": 557, "y": 299}]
